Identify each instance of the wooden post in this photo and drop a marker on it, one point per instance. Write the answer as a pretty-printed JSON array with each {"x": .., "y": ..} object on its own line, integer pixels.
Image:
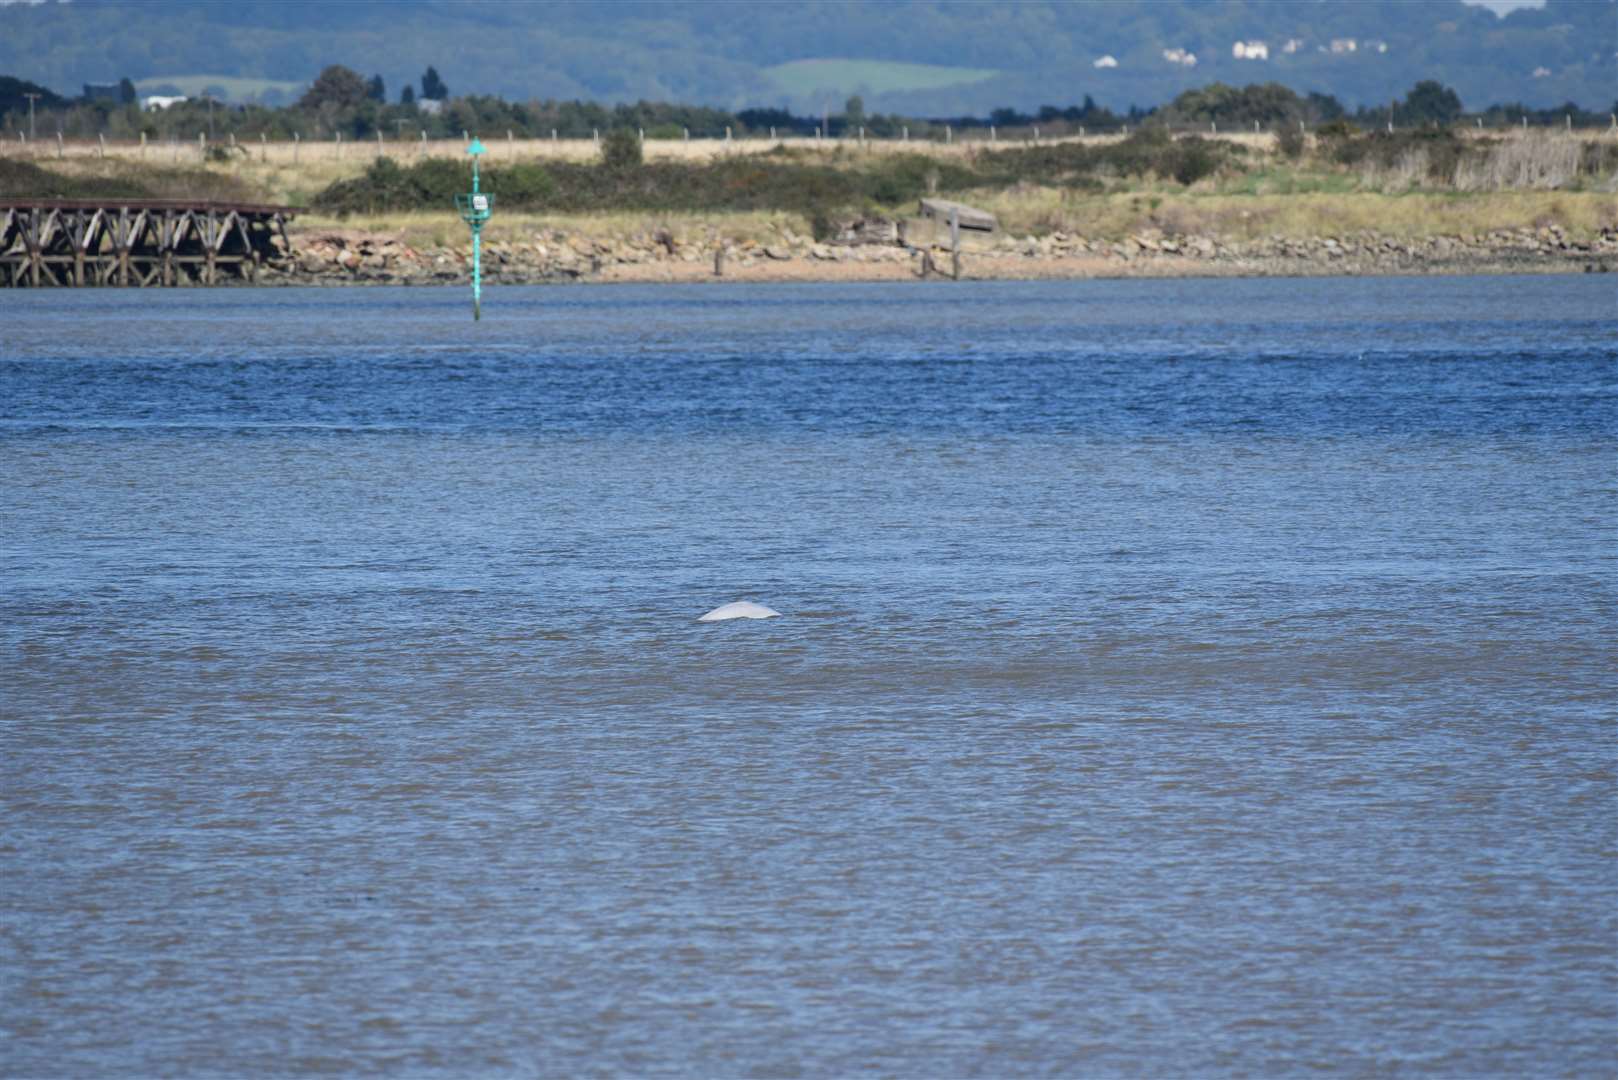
[
  {"x": 143, "y": 146},
  {"x": 208, "y": 243},
  {"x": 553, "y": 136},
  {"x": 719, "y": 261},
  {"x": 421, "y": 150},
  {"x": 296, "y": 140},
  {"x": 685, "y": 133},
  {"x": 772, "y": 132},
  {"x": 949, "y": 133},
  {"x": 379, "y": 150},
  {"x": 993, "y": 135},
  {"x": 337, "y": 145},
  {"x": 727, "y": 134},
  {"x": 955, "y": 244},
  {"x": 1036, "y": 132},
  {"x": 906, "y": 130},
  {"x": 263, "y": 147},
  {"x": 511, "y": 144},
  {"x": 58, "y": 146},
  {"x": 123, "y": 237},
  {"x": 101, "y": 144}
]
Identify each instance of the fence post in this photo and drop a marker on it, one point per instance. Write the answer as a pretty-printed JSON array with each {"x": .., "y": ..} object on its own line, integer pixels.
[
  {"x": 263, "y": 147},
  {"x": 949, "y": 133},
  {"x": 337, "y": 145},
  {"x": 772, "y": 132},
  {"x": 297, "y": 140},
  {"x": 1036, "y": 132},
  {"x": 727, "y": 133},
  {"x": 379, "y": 142},
  {"x": 142, "y": 145},
  {"x": 685, "y": 133},
  {"x": 907, "y": 133},
  {"x": 994, "y": 136},
  {"x": 421, "y": 151},
  {"x": 101, "y": 144},
  {"x": 58, "y": 145},
  {"x": 553, "y": 135},
  {"x": 202, "y": 145},
  {"x": 595, "y": 136}
]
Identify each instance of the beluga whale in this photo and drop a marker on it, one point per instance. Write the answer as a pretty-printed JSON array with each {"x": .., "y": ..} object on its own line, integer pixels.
[{"x": 742, "y": 609}]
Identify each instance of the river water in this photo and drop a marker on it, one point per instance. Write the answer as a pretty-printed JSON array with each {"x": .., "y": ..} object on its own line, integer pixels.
[{"x": 1174, "y": 679}]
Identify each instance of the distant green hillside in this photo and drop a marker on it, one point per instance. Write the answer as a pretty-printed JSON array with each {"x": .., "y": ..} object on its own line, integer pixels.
[
  {"x": 807, "y": 78},
  {"x": 920, "y": 58}
]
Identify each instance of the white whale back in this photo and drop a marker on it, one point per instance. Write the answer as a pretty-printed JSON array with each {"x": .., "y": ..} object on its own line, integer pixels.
[{"x": 742, "y": 609}]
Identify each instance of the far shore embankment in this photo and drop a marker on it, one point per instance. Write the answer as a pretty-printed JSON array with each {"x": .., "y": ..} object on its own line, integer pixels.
[{"x": 348, "y": 256}]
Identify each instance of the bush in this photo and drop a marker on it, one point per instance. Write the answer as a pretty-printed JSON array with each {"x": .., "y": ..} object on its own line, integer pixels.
[
  {"x": 621, "y": 150},
  {"x": 1291, "y": 143}
]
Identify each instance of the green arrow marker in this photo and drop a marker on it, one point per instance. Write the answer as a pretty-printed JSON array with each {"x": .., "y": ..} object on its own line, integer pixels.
[{"x": 475, "y": 208}]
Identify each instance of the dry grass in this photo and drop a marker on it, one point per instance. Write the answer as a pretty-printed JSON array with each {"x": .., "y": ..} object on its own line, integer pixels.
[
  {"x": 424, "y": 230},
  {"x": 1039, "y": 211}
]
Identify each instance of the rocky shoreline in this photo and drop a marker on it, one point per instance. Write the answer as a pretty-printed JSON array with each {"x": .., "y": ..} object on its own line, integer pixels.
[{"x": 353, "y": 257}]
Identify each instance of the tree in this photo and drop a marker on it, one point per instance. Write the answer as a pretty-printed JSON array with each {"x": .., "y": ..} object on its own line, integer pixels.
[
  {"x": 126, "y": 91},
  {"x": 1429, "y": 102},
  {"x": 432, "y": 87},
  {"x": 337, "y": 86},
  {"x": 375, "y": 90},
  {"x": 407, "y": 96},
  {"x": 854, "y": 112}
]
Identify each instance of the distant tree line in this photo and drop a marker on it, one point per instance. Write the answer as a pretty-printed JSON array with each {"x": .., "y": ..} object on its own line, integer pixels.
[{"x": 342, "y": 102}]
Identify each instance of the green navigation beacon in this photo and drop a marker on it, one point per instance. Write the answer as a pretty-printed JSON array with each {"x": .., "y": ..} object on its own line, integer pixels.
[{"x": 475, "y": 208}]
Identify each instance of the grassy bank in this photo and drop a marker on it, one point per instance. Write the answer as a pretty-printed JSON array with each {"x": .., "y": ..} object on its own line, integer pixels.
[{"x": 1410, "y": 185}]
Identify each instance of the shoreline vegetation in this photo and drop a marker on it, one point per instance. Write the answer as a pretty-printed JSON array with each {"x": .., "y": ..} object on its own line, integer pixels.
[{"x": 1149, "y": 204}]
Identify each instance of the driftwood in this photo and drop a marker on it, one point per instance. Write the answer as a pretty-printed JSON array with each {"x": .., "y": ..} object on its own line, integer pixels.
[{"x": 970, "y": 217}]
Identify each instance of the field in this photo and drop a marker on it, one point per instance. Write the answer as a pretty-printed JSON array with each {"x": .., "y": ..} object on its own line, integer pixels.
[
  {"x": 808, "y": 77},
  {"x": 235, "y": 90}
]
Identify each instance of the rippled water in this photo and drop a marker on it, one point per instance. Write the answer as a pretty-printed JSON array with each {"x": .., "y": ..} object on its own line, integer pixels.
[{"x": 1175, "y": 678}]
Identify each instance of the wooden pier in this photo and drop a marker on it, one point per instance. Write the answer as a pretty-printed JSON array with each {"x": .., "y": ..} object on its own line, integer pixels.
[{"x": 136, "y": 242}]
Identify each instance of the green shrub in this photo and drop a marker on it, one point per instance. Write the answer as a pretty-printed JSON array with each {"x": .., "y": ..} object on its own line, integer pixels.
[{"x": 621, "y": 150}]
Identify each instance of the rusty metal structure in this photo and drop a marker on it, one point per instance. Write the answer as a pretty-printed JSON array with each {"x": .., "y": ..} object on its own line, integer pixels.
[{"x": 136, "y": 242}]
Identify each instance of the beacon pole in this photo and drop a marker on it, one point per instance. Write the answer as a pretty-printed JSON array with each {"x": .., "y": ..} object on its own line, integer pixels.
[{"x": 475, "y": 208}]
